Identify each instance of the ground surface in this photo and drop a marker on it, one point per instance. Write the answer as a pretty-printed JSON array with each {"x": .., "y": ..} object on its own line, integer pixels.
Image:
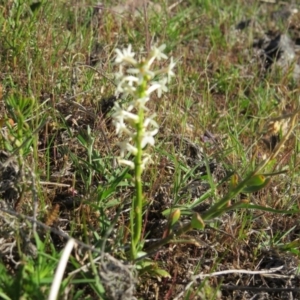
[{"x": 233, "y": 103}]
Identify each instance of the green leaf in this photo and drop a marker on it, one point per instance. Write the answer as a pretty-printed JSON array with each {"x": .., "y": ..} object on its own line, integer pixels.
[
  {"x": 292, "y": 245},
  {"x": 197, "y": 221},
  {"x": 151, "y": 267},
  {"x": 4, "y": 297},
  {"x": 233, "y": 181},
  {"x": 254, "y": 188},
  {"x": 256, "y": 180},
  {"x": 162, "y": 273},
  {"x": 263, "y": 208},
  {"x": 174, "y": 216}
]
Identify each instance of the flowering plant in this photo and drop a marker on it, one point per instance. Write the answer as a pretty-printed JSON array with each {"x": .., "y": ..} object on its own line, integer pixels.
[{"x": 138, "y": 79}]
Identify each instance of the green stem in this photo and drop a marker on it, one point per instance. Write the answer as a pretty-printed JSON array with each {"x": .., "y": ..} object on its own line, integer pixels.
[{"x": 137, "y": 204}]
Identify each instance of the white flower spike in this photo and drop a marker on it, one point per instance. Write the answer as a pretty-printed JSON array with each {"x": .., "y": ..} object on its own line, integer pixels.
[{"x": 135, "y": 78}]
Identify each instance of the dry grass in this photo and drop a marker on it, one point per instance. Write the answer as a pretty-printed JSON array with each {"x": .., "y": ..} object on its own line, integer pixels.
[{"x": 226, "y": 111}]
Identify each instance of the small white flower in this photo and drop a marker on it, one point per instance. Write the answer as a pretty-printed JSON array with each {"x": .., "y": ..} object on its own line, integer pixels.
[
  {"x": 125, "y": 56},
  {"x": 148, "y": 138},
  {"x": 129, "y": 90},
  {"x": 158, "y": 52},
  {"x": 133, "y": 150},
  {"x": 125, "y": 147},
  {"x": 133, "y": 71},
  {"x": 119, "y": 88},
  {"x": 149, "y": 62},
  {"x": 120, "y": 127},
  {"x": 141, "y": 73},
  {"x": 153, "y": 87},
  {"x": 130, "y": 80},
  {"x": 126, "y": 162},
  {"x": 141, "y": 103},
  {"x": 121, "y": 114},
  {"x": 119, "y": 75},
  {"x": 127, "y": 84},
  {"x": 144, "y": 71},
  {"x": 161, "y": 86},
  {"x": 118, "y": 114},
  {"x": 146, "y": 160},
  {"x": 150, "y": 120},
  {"x": 170, "y": 68},
  {"x": 131, "y": 116}
]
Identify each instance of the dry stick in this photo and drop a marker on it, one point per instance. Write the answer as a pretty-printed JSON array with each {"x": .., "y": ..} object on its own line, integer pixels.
[
  {"x": 59, "y": 273},
  {"x": 148, "y": 42},
  {"x": 85, "y": 267},
  {"x": 53, "y": 183},
  {"x": 241, "y": 271},
  {"x": 34, "y": 196},
  {"x": 258, "y": 289},
  {"x": 266, "y": 272},
  {"x": 170, "y": 8}
]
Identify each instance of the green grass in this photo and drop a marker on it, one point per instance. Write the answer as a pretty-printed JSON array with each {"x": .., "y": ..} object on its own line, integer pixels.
[{"x": 60, "y": 151}]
